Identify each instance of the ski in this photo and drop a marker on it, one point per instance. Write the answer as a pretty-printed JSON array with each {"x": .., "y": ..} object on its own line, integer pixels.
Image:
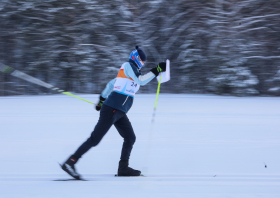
[
  {"x": 131, "y": 176},
  {"x": 70, "y": 179},
  {"x": 73, "y": 179},
  {"x": 16, "y": 73}
]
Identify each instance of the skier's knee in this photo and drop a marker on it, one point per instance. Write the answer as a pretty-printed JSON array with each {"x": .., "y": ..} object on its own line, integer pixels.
[
  {"x": 93, "y": 141},
  {"x": 130, "y": 140},
  {"x": 134, "y": 139}
]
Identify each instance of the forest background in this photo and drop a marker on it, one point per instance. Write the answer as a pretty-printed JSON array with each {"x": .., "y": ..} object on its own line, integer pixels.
[{"x": 227, "y": 47}]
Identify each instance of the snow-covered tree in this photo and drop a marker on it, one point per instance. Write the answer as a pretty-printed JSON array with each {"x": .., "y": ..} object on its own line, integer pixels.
[
  {"x": 275, "y": 84},
  {"x": 217, "y": 46}
]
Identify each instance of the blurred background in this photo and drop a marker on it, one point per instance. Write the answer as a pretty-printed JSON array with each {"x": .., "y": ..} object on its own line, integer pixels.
[{"x": 226, "y": 47}]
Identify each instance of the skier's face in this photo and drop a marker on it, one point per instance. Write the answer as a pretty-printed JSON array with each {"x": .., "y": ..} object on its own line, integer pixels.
[{"x": 142, "y": 63}]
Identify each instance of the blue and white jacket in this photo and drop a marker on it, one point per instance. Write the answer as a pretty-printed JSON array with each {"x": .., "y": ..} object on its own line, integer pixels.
[{"x": 121, "y": 101}]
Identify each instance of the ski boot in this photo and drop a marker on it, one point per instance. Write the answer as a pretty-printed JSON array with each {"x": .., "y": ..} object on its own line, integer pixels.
[
  {"x": 126, "y": 171},
  {"x": 69, "y": 167}
]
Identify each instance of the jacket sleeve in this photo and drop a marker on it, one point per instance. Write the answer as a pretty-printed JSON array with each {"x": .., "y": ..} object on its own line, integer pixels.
[
  {"x": 141, "y": 79},
  {"x": 109, "y": 88}
]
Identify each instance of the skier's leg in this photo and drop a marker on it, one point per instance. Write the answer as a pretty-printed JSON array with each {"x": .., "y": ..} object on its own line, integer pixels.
[
  {"x": 104, "y": 123},
  {"x": 125, "y": 129}
]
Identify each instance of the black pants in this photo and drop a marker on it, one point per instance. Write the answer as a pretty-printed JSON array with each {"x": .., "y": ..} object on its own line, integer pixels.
[{"x": 108, "y": 117}]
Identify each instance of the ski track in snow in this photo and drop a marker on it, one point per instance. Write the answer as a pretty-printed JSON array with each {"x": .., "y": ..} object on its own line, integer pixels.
[{"x": 200, "y": 146}]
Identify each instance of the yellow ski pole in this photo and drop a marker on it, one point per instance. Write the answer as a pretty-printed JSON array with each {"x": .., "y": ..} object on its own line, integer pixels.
[
  {"x": 165, "y": 78},
  {"x": 148, "y": 146},
  {"x": 16, "y": 73},
  {"x": 155, "y": 108},
  {"x": 70, "y": 94}
]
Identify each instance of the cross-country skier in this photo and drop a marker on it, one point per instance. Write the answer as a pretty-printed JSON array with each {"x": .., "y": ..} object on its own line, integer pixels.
[{"x": 115, "y": 101}]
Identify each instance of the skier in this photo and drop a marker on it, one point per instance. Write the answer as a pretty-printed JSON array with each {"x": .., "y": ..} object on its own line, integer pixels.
[{"x": 114, "y": 102}]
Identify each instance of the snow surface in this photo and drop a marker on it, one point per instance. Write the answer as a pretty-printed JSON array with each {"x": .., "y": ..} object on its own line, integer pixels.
[{"x": 200, "y": 146}]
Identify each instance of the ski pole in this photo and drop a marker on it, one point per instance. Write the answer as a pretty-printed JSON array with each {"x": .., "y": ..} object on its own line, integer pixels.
[
  {"x": 148, "y": 146},
  {"x": 155, "y": 108},
  {"x": 165, "y": 78},
  {"x": 9, "y": 70}
]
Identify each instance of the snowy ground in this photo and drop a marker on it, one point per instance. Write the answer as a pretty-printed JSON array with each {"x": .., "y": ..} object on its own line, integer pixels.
[{"x": 200, "y": 147}]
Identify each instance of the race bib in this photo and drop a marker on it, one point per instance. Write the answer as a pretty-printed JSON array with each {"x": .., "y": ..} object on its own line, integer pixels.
[{"x": 125, "y": 85}]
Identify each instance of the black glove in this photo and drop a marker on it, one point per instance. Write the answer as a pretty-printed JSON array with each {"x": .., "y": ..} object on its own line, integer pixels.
[
  {"x": 161, "y": 67},
  {"x": 100, "y": 103}
]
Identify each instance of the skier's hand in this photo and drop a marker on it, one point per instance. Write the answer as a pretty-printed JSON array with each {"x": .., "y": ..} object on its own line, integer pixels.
[
  {"x": 100, "y": 103},
  {"x": 161, "y": 67}
]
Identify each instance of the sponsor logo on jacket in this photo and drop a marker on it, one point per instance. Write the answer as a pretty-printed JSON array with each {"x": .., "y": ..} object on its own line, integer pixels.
[{"x": 130, "y": 91}]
